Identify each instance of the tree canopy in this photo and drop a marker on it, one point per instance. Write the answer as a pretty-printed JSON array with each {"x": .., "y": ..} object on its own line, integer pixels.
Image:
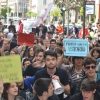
[
  {"x": 56, "y": 12},
  {"x": 31, "y": 14},
  {"x": 4, "y": 11}
]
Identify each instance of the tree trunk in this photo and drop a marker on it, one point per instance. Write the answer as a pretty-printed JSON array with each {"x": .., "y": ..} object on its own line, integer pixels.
[{"x": 76, "y": 15}]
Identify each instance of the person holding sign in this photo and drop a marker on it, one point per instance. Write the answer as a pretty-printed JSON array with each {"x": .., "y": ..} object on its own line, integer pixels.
[{"x": 9, "y": 91}]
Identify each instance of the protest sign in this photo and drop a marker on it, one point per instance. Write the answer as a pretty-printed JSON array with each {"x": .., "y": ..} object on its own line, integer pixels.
[
  {"x": 76, "y": 47},
  {"x": 26, "y": 38},
  {"x": 10, "y": 69}
]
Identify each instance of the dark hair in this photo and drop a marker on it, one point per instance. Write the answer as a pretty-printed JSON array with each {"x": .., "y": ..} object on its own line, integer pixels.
[
  {"x": 52, "y": 40},
  {"x": 76, "y": 57},
  {"x": 59, "y": 43},
  {"x": 95, "y": 49},
  {"x": 5, "y": 94},
  {"x": 89, "y": 60},
  {"x": 50, "y": 53},
  {"x": 28, "y": 54},
  {"x": 41, "y": 85},
  {"x": 58, "y": 50},
  {"x": 11, "y": 22},
  {"x": 42, "y": 36},
  {"x": 88, "y": 84},
  {"x": 38, "y": 51},
  {"x": 11, "y": 29},
  {"x": 26, "y": 59},
  {"x": 49, "y": 32}
]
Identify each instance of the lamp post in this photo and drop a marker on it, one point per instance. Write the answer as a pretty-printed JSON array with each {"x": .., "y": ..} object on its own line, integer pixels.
[
  {"x": 7, "y": 12},
  {"x": 84, "y": 19}
]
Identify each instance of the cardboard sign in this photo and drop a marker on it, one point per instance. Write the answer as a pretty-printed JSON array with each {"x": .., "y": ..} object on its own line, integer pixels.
[
  {"x": 76, "y": 47},
  {"x": 26, "y": 38},
  {"x": 10, "y": 69}
]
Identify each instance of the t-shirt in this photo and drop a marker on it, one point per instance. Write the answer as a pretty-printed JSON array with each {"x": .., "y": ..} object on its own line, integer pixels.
[{"x": 63, "y": 76}]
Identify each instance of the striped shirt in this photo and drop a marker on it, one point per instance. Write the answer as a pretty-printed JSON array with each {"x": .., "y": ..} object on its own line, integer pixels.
[{"x": 76, "y": 77}]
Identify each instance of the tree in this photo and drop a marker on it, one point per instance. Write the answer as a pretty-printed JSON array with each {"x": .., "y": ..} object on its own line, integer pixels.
[
  {"x": 71, "y": 5},
  {"x": 31, "y": 14},
  {"x": 5, "y": 10},
  {"x": 56, "y": 12}
]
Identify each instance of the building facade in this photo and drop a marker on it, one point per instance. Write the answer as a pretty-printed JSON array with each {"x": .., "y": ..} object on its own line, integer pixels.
[
  {"x": 38, "y": 5},
  {"x": 19, "y": 7},
  {"x": 2, "y": 4}
]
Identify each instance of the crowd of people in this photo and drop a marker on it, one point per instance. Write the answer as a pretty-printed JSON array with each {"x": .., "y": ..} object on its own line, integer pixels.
[{"x": 45, "y": 60}]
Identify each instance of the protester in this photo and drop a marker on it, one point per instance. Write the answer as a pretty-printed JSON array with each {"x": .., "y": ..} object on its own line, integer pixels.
[
  {"x": 74, "y": 30},
  {"x": 88, "y": 91},
  {"x": 12, "y": 26},
  {"x": 44, "y": 90},
  {"x": 80, "y": 34},
  {"x": 51, "y": 71},
  {"x": 37, "y": 63},
  {"x": 1, "y": 27},
  {"x": 10, "y": 92},
  {"x": 25, "y": 88},
  {"x": 90, "y": 70},
  {"x": 20, "y": 27}
]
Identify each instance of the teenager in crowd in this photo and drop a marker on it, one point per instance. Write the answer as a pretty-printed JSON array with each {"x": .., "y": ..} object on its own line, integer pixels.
[
  {"x": 37, "y": 63},
  {"x": 90, "y": 70},
  {"x": 44, "y": 90},
  {"x": 88, "y": 91},
  {"x": 51, "y": 71},
  {"x": 10, "y": 92}
]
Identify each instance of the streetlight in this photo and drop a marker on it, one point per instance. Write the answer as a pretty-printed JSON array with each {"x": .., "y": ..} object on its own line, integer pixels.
[
  {"x": 7, "y": 12},
  {"x": 84, "y": 19}
]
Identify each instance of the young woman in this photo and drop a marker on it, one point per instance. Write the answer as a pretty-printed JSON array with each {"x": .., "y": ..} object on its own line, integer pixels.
[
  {"x": 95, "y": 53},
  {"x": 10, "y": 92}
]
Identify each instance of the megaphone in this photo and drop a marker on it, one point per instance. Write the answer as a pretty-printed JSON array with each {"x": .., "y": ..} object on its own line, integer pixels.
[{"x": 58, "y": 89}]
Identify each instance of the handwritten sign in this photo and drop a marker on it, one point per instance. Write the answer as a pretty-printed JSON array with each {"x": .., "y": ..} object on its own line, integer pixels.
[
  {"x": 10, "y": 69},
  {"x": 76, "y": 47},
  {"x": 26, "y": 38}
]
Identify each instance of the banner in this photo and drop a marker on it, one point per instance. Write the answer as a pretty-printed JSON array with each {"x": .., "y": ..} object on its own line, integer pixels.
[
  {"x": 26, "y": 38},
  {"x": 10, "y": 69},
  {"x": 76, "y": 47},
  {"x": 43, "y": 15}
]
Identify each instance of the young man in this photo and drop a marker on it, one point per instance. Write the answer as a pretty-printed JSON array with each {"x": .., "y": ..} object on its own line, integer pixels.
[
  {"x": 25, "y": 88},
  {"x": 51, "y": 71},
  {"x": 44, "y": 90},
  {"x": 88, "y": 91},
  {"x": 37, "y": 63},
  {"x": 90, "y": 70},
  {"x": 52, "y": 44}
]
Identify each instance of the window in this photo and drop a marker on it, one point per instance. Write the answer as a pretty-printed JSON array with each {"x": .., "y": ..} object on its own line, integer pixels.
[{"x": 44, "y": 2}]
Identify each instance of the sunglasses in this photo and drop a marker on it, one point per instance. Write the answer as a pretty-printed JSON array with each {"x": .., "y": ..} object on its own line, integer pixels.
[{"x": 92, "y": 67}]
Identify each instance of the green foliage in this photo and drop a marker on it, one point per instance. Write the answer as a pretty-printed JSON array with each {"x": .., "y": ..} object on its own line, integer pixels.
[
  {"x": 31, "y": 14},
  {"x": 4, "y": 11},
  {"x": 81, "y": 11},
  {"x": 56, "y": 12}
]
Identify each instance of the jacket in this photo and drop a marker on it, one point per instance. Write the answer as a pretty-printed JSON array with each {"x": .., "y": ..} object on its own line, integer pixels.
[
  {"x": 16, "y": 98},
  {"x": 80, "y": 34},
  {"x": 79, "y": 96},
  {"x": 54, "y": 97}
]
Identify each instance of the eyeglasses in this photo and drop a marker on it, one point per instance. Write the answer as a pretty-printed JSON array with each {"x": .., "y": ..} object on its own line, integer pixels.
[{"x": 92, "y": 67}]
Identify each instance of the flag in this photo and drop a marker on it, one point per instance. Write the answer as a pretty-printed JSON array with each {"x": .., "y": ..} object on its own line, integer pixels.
[{"x": 43, "y": 15}]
